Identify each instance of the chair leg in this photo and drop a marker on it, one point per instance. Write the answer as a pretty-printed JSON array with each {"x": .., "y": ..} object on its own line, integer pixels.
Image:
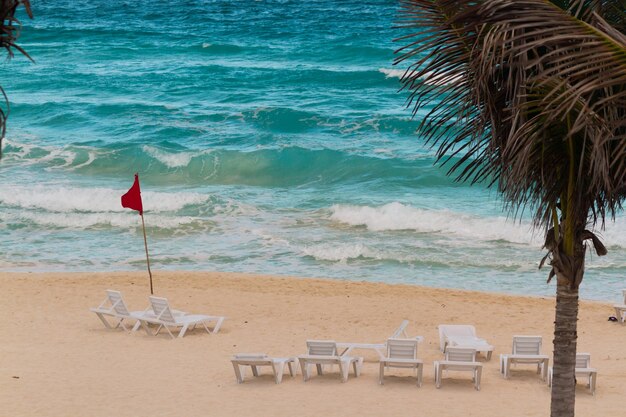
[
  {"x": 381, "y": 373},
  {"x": 218, "y": 325},
  {"x": 550, "y": 377},
  {"x": 344, "y": 368},
  {"x": 278, "y": 369},
  {"x": 420, "y": 371},
  {"x": 489, "y": 355},
  {"x": 357, "y": 364},
  {"x": 168, "y": 330},
  {"x": 206, "y": 328},
  {"x": 292, "y": 367},
  {"x": 122, "y": 325},
  {"x": 544, "y": 369},
  {"x": 477, "y": 374},
  {"x": 182, "y": 331},
  {"x": 146, "y": 328},
  {"x": 104, "y": 321},
  {"x": 592, "y": 383},
  {"x": 255, "y": 371},
  {"x": 238, "y": 373},
  {"x": 319, "y": 369},
  {"x": 437, "y": 375},
  {"x": 303, "y": 366}
]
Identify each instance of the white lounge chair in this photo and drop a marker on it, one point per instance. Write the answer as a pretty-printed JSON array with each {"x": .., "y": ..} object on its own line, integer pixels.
[
  {"x": 163, "y": 317},
  {"x": 526, "y": 350},
  {"x": 462, "y": 335},
  {"x": 255, "y": 360},
  {"x": 459, "y": 359},
  {"x": 379, "y": 348},
  {"x": 115, "y": 307},
  {"x": 324, "y": 352},
  {"x": 620, "y": 309},
  {"x": 583, "y": 370},
  {"x": 401, "y": 353}
]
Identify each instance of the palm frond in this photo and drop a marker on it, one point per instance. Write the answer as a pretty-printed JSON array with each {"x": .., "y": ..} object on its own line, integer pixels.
[
  {"x": 538, "y": 80},
  {"x": 9, "y": 32}
]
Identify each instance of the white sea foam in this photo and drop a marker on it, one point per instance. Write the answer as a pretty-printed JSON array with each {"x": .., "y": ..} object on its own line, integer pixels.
[
  {"x": 343, "y": 252},
  {"x": 430, "y": 78},
  {"x": 206, "y": 45},
  {"x": 269, "y": 237},
  {"x": 339, "y": 252},
  {"x": 89, "y": 220},
  {"x": 392, "y": 73},
  {"x": 66, "y": 155},
  {"x": 50, "y": 153},
  {"x": 169, "y": 159},
  {"x": 65, "y": 199},
  {"x": 22, "y": 149},
  {"x": 23, "y": 154},
  {"x": 91, "y": 156},
  {"x": 229, "y": 207},
  {"x": 397, "y": 216}
]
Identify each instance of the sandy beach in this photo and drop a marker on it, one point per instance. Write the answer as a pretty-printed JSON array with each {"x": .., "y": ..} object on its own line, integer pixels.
[{"x": 57, "y": 359}]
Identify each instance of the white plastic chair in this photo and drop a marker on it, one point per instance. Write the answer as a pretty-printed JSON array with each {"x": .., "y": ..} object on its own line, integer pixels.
[
  {"x": 115, "y": 307},
  {"x": 324, "y": 352},
  {"x": 459, "y": 359},
  {"x": 163, "y": 317},
  {"x": 379, "y": 348},
  {"x": 401, "y": 353},
  {"x": 526, "y": 350},
  {"x": 583, "y": 370},
  {"x": 462, "y": 335},
  {"x": 255, "y": 360}
]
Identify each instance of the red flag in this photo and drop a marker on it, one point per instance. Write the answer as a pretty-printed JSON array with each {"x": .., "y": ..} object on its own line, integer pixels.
[{"x": 132, "y": 199}]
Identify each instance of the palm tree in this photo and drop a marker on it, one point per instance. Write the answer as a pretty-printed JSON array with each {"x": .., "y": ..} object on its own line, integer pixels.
[
  {"x": 529, "y": 96},
  {"x": 9, "y": 32}
]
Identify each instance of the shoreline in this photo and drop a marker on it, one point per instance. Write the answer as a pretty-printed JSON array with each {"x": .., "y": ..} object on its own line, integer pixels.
[
  {"x": 67, "y": 363},
  {"x": 168, "y": 272}
]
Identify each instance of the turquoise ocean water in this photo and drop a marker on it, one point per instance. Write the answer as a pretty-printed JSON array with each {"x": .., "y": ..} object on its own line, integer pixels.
[{"x": 269, "y": 136}]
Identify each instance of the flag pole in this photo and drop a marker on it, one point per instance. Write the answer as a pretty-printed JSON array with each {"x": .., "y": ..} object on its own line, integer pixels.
[{"x": 145, "y": 242}]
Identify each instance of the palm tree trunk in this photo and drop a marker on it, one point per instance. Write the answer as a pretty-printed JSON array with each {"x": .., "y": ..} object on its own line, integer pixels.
[{"x": 563, "y": 380}]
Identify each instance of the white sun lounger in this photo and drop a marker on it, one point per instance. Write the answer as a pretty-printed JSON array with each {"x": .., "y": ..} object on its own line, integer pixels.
[
  {"x": 324, "y": 352},
  {"x": 526, "y": 350},
  {"x": 115, "y": 307},
  {"x": 379, "y": 348},
  {"x": 583, "y": 370},
  {"x": 459, "y": 359},
  {"x": 620, "y": 309},
  {"x": 164, "y": 318},
  {"x": 462, "y": 335},
  {"x": 401, "y": 353},
  {"x": 255, "y": 360}
]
